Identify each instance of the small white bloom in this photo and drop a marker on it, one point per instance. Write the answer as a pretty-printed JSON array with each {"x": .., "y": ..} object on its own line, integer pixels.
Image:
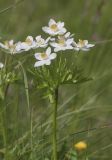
[
  {"x": 44, "y": 58},
  {"x": 40, "y": 42},
  {"x": 18, "y": 47},
  {"x": 54, "y": 28},
  {"x": 64, "y": 42},
  {"x": 9, "y": 46},
  {"x": 1, "y": 65},
  {"x": 27, "y": 45},
  {"x": 82, "y": 45}
]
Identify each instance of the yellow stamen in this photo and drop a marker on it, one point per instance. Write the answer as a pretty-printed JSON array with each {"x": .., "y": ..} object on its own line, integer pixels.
[
  {"x": 81, "y": 43},
  {"x": 54, "y": 27},
  {"x": 11, "y": 46},
  {"x": 28, "y": 41},
  {"x": 61, "y": 42},
  {"x": 40, "y": 42},
  {"x": 44, "y": 55}
]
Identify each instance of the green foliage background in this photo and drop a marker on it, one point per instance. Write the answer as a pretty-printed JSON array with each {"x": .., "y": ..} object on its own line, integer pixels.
[{"x": 84, "y": 111}]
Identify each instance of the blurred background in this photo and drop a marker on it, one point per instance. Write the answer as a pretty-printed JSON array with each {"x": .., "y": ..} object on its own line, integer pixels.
[{"x": 84, "y": 111}]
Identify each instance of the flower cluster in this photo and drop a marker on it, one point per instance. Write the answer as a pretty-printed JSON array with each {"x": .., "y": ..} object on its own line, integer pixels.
[{"x": 59, "y": 40}]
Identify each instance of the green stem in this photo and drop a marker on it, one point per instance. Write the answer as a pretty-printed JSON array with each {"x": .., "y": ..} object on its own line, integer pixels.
[
  {"x": 3, "y": 116},
  {"x": 31, "y": 134},
  {"x": 55, "y": 125}
]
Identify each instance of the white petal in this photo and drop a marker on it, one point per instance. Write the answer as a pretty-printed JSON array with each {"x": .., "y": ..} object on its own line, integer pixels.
[
  {"x": 38, "y": 37},
  {"x": 51, "y": 22},
  {"x": 45, "y": 29},
  {"x": 53, "y": 44},
  {"x": 47, "y": 62},
  {"x": 49, "y": 31},
  {"x": 86, "y": 42},
  {"x": 38, "y": 56},
  {"x": 62, "y": 31},
  {"x": 53, "y": 56},
  {"x": 52, "y": 39},
  {"x": 24, "y": 46},
  {"x": 67, "y": 34},
  {"x": 18, "y": 46},
  {"x": 30, "y": 38},
  {"x": 60, "y": 25},
  {"x": 69, "y": 47},
  {"x": 11, "y": 42},
  {"x": 69, "y": 41},
  {"x": 39, "y": 63},
  {"x": 57, "y": 49},
  {"x": 85, "y": 49},
  {"x": 48, "y": 51},
  {"x": 74, "y": 44},
  {"x": 90, "y": 45}
]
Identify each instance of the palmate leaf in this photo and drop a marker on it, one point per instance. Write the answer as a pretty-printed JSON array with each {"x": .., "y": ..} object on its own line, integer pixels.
[{"x": 48, "y": 78}]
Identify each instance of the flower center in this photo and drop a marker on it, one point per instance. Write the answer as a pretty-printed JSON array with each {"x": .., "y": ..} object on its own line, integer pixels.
[
  {"x": 28, "y": 41},
  {"x": 81, "y": 43},
  {"x": 61, "y": 42},
  {"x": 40, "y": 42},
  {"x": 44, "y": 55},
  {"x": 10, "y": 46},
  {"x": 54, "y": 27}
]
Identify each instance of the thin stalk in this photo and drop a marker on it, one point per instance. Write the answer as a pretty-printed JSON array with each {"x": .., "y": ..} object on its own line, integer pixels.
[
  {"x": 3, "y": 123},
  {"x": 3, "y": 133},
  {"x": 55, "y": 156}
]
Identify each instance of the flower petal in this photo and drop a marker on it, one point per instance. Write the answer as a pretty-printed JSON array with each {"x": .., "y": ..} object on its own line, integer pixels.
[
  {"x": 39, "y": 63},
  {"x": 53, "y": 44},
  {"x": 70, "y": 41},
  {"x": 67, "y": 35},
  {"x": 45, "y": 29},
  {"x": 48, "y": 51},
  {"x": 47, "y": 62},
  {"x": 60, "y": 25},
  {"x": 29, "y": 38},
  {"x": 51, "y": 22},
  {"x": 86, "y": 42},
  {"x": 90, "y": 45},
  {"x": 38, "y": 37},
  {"x": 57, "y": 49},
  {"x": 38, "y": 56},
  {"x": 62, "y": 31},
  {"x": 85, "y": 49},
  {"x": 53, "y": 56}
]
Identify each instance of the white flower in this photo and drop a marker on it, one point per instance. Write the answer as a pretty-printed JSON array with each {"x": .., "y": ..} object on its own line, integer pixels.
[
  {"x": 40, "y": 42},
  {"x": 54, "y": 28},
  {"x": 63, "y": 42},
  {"x": 18, "y": 47},
  {"x": 27, "y": 45},
  {"x": 9, "y": 46},
  {"x": 44, "y": 58},
  {"x": 82, "y": 45},
  {"x": 1, "y": 65}
]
